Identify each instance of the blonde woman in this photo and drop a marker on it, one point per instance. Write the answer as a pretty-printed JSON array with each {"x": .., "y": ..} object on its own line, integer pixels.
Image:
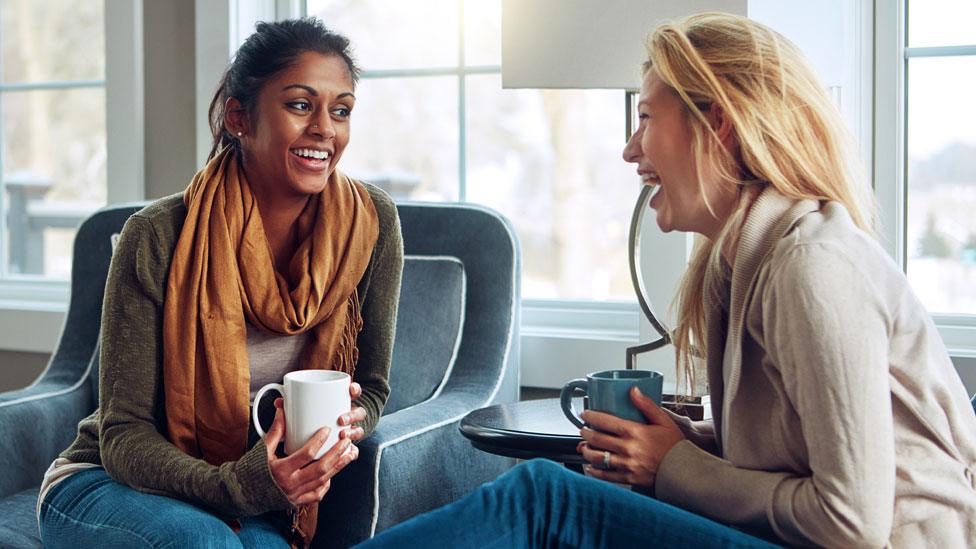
[{"x": 838, "y": 418}]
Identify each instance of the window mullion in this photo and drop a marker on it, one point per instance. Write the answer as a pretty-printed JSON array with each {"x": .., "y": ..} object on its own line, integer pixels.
[
  {"x": 3, "y": 196},
  {"x": 3, "y": 184},
  {"x": 889, "y": 136},
  {"x": 462, "y": 115},
  {"x": 462, "y": 141}
]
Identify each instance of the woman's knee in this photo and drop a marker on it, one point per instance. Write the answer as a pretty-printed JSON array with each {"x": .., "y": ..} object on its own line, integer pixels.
[
  {"x": 542, "y": 469},
  {"x": 165, "y": 530},
  {"x": 90, "y": 505},
  {"x": 200, "y": 531},
  {"x": 536, "y": 478}
]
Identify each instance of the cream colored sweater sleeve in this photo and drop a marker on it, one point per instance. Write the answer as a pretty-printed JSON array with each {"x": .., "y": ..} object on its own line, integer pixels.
[
  {"x": 701, "y": 433},
  {"x": 826, "y": 329}
]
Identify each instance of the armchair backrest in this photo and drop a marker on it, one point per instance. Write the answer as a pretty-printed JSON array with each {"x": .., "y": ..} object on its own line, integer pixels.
[
  {"x": 77, "y": 349},
  {"x": 460, "y": 283},
  {"x": 43, "y": 417},
  {"x": 483, "y": 244}
]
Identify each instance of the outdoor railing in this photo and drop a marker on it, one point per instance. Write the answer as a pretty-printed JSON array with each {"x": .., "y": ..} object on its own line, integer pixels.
[{"x": 29, "y": 214}]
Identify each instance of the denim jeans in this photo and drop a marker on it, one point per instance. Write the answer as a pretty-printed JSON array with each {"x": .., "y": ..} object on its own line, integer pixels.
[
  {"x": 89, "y": 509},
  {"x": 541, "y": 504}
]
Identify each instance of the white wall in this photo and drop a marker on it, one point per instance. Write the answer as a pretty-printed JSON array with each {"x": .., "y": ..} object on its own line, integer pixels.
[
  {"x": 20, "y": 369},
  {"x": 170, "y": 92}
]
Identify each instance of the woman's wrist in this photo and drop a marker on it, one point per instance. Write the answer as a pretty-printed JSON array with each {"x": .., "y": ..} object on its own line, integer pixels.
[{"x": 258, "y": 487}]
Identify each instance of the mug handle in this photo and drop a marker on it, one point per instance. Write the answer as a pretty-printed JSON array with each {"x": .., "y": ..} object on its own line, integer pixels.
[
  {"x": 566, "y": 400},
  {"x": 257, "y": 399}
]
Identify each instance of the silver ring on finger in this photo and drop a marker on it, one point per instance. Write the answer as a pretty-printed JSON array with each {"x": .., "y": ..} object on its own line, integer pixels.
[{"x": 606, "y": 460}]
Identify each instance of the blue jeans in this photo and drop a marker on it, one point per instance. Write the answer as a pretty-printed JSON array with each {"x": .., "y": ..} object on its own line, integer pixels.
[
  {"x": 89, "y": 509},
  {"x": 541, "y": 504}
]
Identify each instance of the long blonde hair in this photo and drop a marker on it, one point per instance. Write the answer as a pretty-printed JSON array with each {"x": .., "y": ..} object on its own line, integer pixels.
[{"x": 789, "y": 134}]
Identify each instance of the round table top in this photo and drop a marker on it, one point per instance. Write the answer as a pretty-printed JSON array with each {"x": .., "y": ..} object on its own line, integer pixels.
[{"x": 527, "y": 429}]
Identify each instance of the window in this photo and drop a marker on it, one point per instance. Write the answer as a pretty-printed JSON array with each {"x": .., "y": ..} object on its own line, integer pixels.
[
  {"x": 940, "y": 150},
  {"x": 52, "y": 131},
  {"x": 432, "y": 122},
  {"x": 435, "y": 69},
  {"x": 919, "y": 118}
]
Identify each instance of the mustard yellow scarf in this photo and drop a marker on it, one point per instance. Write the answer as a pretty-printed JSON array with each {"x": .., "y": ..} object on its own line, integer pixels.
[{"x": 223, "y": 273}]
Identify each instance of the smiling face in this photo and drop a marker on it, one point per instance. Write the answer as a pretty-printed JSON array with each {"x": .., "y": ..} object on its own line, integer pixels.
[
  {"x": 663, "y": 151},
  {"x": 299, "y": 128}
]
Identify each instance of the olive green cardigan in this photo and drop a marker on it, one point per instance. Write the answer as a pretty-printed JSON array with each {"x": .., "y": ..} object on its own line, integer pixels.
[{"x": 126, "y": 434}]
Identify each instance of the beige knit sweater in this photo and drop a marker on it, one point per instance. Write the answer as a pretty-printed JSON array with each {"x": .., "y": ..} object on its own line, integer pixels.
[{"x": 838, "y": 419}]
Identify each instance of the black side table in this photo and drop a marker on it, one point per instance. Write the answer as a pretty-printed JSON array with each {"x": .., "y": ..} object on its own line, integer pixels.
[{"x": 525, "y": 430}]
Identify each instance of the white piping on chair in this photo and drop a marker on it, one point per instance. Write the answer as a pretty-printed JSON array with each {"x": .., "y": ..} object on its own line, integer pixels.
[
  {"x": 494, "y": 390},
  {"x": 457, "y": 339}
]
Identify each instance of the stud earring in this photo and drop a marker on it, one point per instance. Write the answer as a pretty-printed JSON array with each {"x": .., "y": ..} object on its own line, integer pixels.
[{"x": 239, "y": 134}]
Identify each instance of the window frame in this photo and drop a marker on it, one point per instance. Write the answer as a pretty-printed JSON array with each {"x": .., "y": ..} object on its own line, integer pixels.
[
  {"x": 890, "y": 158},
  {"x": 13, "y": 284},
  {"x": 553, "y": 318},
  {"x": 33, "y": 308}
]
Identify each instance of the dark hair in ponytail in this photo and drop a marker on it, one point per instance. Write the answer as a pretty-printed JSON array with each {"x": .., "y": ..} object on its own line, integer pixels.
[{"x": 272, "y": 48}]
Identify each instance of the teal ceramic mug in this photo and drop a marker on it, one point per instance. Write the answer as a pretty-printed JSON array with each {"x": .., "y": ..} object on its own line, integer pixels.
[{"x": 609, "y": 392}]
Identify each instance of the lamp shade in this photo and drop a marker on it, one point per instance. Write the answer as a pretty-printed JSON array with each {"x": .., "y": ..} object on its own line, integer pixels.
[{"x": 586, "y": 43}]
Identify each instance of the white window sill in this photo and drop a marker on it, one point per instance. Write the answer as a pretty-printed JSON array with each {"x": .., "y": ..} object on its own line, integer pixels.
[
  {"x": 34, "y": 324},
  {"x": 31, "y": 314},
  {"x": 604, "y": 321},
  {"x": 959, "y": 334}
]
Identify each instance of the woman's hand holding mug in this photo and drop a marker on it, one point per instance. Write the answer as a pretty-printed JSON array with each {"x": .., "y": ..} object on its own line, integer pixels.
[
  {"x": 356, "y": 415},
  {"x": 299, "y": 475},
  {"x": 316, "y": 421},
  {"x": 636, "y": 449},
  {"x": 625, "y": 432}
]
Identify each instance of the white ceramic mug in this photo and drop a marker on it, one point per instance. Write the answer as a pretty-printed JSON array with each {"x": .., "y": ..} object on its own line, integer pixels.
[{"x": 313, "y": 399}]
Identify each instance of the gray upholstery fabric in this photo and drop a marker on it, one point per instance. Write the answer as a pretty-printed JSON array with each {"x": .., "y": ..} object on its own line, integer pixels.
[
  {"x": 42, "y": 417},
  {"x": 416, "y": 460},
  {"x": 456, "y": 349},
  {"x": 18, "y": 523},
  {"x": 431, "y": 295}
]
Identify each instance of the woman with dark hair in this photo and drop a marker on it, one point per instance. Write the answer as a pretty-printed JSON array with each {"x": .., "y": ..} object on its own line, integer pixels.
[{"x": 270, "y": 261}]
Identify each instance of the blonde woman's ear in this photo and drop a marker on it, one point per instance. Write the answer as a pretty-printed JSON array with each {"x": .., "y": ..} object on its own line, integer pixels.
[{"x": 721, "y": 124}]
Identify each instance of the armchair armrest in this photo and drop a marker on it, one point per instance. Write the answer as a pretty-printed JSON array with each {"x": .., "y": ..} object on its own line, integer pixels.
[
  {"x": 36, "y": 423},
  {"x": 417, "y": 459}
]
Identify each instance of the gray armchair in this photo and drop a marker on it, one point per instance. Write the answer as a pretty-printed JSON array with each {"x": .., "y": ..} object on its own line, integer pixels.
[{"x": 456, "y": 349}]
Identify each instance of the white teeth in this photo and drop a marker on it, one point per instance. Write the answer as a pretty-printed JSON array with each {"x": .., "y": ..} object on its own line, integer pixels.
[
  {"x": 650, "y": 179},
  {"x": 311, "y": 153}
]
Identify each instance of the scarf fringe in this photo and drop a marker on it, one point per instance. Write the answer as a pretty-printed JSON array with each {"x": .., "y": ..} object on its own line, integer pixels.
[{"x": 347, "y": 352}]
